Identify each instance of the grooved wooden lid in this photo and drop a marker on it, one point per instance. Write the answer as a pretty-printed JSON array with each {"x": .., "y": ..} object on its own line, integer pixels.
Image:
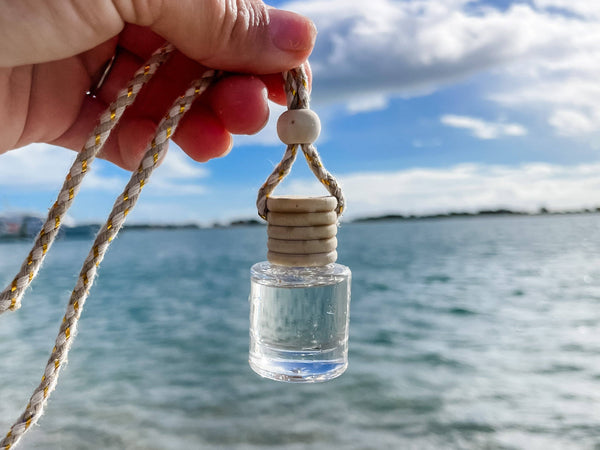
[
  {"x": 302, "y": 231},
  {"x": 302, "y": 247},
  {"x": 294, "y": 204},
  {"x": 302, "y": 219}
]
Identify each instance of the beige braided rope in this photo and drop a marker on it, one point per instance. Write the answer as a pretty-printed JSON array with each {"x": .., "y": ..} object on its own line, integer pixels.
[
  {"x": 10, "y": 298},
  {"x": 123, "y": 205},
  {"x": 298, "y": 97}
]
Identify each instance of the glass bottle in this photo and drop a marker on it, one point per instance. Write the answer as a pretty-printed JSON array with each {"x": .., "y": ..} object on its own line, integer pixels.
[{"x": 299, "y": 315}]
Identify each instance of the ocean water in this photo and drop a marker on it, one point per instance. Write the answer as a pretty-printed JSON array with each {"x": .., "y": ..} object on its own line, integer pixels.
[{"x": 464, "y": 333}]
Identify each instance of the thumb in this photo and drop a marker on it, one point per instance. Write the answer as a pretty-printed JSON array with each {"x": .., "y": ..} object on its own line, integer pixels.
[
  {"x": 242, "y": 35},
  {"x": 236, "y": 35}
]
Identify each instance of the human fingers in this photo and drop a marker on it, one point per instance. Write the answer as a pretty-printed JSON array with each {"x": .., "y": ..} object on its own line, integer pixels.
[
  {"x": 275, "y": 87},
  {"x": 239, "y": 36},
  {"x": 142, "y": 42},
  {"x": 234, "y": 104}
]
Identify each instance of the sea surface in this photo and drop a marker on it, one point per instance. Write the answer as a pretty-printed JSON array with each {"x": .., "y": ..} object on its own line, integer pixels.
[{"x": 474, "y": 333}]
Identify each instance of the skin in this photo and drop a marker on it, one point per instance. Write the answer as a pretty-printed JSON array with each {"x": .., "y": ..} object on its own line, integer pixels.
[{"x": 53, "y": 52}]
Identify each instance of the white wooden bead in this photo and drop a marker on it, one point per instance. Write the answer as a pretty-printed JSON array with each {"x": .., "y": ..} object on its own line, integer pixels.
[{"x": 298, "y": 126}]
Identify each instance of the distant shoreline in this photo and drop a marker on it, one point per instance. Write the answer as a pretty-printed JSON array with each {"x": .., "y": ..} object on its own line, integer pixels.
[
  {"x": 481, "y": 213},
  {"x": 386, "y": 217},
  {"x": 91, "y": 229}
]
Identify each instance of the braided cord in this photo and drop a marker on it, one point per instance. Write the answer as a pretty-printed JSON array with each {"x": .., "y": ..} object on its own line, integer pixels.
[
  {"x": 10, "y": 297},
  {"x": 122, "y": 206},
  {"x": 298, "y": 97}
]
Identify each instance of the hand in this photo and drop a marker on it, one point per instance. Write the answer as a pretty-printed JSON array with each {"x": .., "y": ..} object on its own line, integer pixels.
[{"x": 52, "y": 53}]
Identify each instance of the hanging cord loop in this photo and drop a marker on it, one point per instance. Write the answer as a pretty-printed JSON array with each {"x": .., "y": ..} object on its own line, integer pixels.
[
  {"x": 123, "y": 205},
  {"x": 298, "y": 97}
]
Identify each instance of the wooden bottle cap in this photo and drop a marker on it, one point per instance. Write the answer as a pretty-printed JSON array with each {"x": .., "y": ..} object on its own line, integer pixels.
[
  {"x": 302, "y": 219},
  {"x": 302, "y": 247},
  {"x": 301, "y": 233},
  {"x": 294, "y": 204}
]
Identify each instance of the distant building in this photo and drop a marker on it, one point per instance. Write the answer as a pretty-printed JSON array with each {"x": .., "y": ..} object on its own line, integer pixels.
[{"x": 19, "y": 225}]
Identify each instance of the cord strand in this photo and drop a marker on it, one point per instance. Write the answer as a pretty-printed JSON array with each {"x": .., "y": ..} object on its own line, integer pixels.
[
  {"x": 296, "y": 86},
  {"x": 298, "y": 97},
  {"x": 10, "y": 297},
  {"x": 122, "y": 206}
]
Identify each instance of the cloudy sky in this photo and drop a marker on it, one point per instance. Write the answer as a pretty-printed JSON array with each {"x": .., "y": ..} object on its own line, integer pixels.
[{"x": 427, "y": 106}]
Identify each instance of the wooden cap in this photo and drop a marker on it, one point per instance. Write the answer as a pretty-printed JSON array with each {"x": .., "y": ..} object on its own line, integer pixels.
[
  {"x": 302, "y": 247},
  {"x": 302, "y": 219},
  {"x": 302, "y": 231},
  {"x": 294, "y": 204}
]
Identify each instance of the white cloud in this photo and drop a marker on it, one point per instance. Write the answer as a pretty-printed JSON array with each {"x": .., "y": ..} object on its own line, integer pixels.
[
  {"x": 570, "y": 122},
  {"x": 584, "y": 8},
  {"x": 405, "y": 47},
  {"x": 177, "y": 175},
  {"x": 42, "y": 167},
  {"x": 176, "y": 165},
  {"x": 540, "y": 59},
  {"x": 465, "y": 187},
  {"x": 426, "y": 142},
  {"x": 482, "y": 129},
  {"x": 372, "y": 102},
  {"x": 39, "y": 167}
]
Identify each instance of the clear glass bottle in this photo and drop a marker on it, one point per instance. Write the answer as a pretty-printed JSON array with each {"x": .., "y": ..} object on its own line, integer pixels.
[{"x": 299, "y": 321}]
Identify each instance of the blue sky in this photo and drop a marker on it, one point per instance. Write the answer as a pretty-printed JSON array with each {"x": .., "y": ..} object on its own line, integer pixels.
[{"x": 426, "y": 106}]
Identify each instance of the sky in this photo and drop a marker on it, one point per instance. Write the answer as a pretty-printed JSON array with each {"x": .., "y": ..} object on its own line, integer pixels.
[{"x": 426, "y": 107}]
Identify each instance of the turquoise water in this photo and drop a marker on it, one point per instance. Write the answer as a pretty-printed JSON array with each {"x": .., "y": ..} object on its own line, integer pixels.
[{"x": 464, "y": 333}]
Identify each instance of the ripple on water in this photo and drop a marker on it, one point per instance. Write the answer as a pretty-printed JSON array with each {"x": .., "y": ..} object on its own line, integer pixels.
[
  {"x": 435, "y": 359},
  {"x": 460, "y": 426},
  {"x": 559, "y": 368},
  {"x": 378, "y": 396},
  {"x": 461, "y": 312},
  {"x": 383, "y": 337},
  {"x": 437, "y": 278},
  {"x": 378, "y": 287}
]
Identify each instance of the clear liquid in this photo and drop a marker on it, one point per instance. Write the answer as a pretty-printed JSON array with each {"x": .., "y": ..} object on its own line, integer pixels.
[{"x": 299, "y": 322}]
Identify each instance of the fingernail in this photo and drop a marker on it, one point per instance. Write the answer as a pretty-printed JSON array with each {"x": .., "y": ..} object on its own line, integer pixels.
[
  {"x": 229, "y": 148},
  {"x": 291, "y": 32}
]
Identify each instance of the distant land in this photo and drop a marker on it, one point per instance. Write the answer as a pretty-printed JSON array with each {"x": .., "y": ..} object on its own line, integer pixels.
[
  {"x": 485, "y": 212},
  {"x": 449, "y": 215},
  {"x": 235, "y": 223},
  {"x": 28, "y": 225}
]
